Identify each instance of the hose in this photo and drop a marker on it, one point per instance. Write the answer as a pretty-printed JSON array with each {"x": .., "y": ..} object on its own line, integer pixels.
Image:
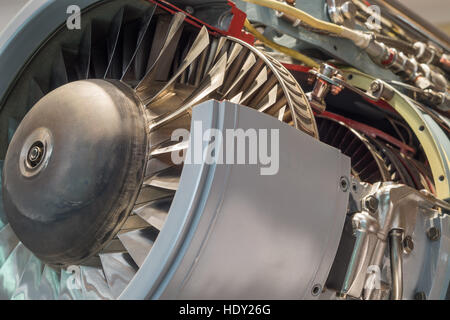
[
  {"x": 358, "y": 37},
  {"x": 396, "y": 251},
  {"x": 396, "y": 43},
  {"x": 290, "y": 52}
]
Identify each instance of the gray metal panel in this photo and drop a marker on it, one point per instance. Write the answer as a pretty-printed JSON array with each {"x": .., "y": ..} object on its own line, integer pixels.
[{"x": 232, "y": 233}]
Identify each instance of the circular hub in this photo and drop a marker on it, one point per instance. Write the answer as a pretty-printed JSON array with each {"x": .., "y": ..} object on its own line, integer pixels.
[{"x": 74, "y": 168}]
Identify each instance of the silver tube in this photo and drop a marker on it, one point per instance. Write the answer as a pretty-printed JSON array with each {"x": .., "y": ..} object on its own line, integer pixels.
[{"x": 396, "y": 251}]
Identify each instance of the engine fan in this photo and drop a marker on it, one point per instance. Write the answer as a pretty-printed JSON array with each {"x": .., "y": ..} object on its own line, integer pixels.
[{"x": 101, "y": 103}]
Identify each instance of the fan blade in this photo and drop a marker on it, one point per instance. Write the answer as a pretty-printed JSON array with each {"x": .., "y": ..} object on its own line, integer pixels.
[
  {"x": 199, "y": 46},
  {"x": 150, "y": 193},
  {"x": 269, "y": 100},
  {"x": 139, "y": 243},
  {"x": 50, "y": 284},
  {"x": 59, "y": 71},
  {"x": 248, "y": 64},
  {"x": 160, "y": 66},
  {"x": 212, "y": 81},
  {"x": 99, "y": 51},
  {"x": 12, "y": 270},
  {"x": 281, "y": 113},
  {"x": 70, "y": 284},
  {"x": 234, "y": 53},
  {"x": 94, "y": 284},
  {"x": 172, "y": 148},
  {"x": 155, "y": 212},
  {"x": 155, "y": 165},
  {"x": 12, "y": 127},
  {"x": 133, "y": 222},
  {"x": 167, "y": 179},
  {"x": 84, "y": 55},
  {"x": 113, "y": 45},
  {"x": 119, "y": 269},
  {"x": 28, "y": 288},
  {"x": 136, "y": 68},
  {"x": 8, "y": 241},
  {"x": 114, "y": 246},
  {"x": 35, "y": 93},
  {"x": 258, "y": 82}
]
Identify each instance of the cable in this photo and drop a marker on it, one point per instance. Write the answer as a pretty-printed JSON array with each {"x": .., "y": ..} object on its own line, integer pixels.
[
  {"x": 359, "y": 38},
  {"x": 299, "y": 14},
  {"x": 290, "y": 52}
]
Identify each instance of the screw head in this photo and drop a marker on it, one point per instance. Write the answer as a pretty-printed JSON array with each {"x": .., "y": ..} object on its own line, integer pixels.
[
  {"x": 34, "y": 154},
  {"x": 408, "y": 245},
  {"x": 375, "y": 86},
  {"x": 371, "y": 204},
  {"x": 316, "y": 290},
  {"x": 434, "y": 233},
  {"x": 344, "y": 184}
]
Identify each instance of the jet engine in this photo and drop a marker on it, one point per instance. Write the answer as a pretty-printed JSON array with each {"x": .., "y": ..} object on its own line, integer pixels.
[{"x": 336, "y": 184}]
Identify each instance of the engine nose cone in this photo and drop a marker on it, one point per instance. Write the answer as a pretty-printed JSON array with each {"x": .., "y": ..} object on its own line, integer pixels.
[{"x": 74, "y": 168}]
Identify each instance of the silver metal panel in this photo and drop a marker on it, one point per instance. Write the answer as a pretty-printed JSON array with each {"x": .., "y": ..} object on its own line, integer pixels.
[
  {"x": 94, "y": 284},
  {"x": 119, "y": 269},
  {"x": 12, "y": 270},
  {"x": 8, "y": 241},
  {"x": 50, "y": 284},
  {"x": 232, "y": 233},
  {"x": 426, "y": 269},
  {"x": 28, "y": 288}
]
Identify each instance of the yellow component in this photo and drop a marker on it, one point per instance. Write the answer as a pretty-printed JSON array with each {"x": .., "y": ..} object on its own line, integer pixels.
[
  {"x": 359, "y": 38},
  {"x": 299, "y": 14},
  {"x": 438, "y": 158},
  {"x": 290, "y": 52}
]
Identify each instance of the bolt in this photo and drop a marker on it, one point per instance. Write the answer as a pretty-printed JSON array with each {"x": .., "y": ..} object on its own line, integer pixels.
[
  {"x": 408, "y": 245},
  {"x": 371, "y": 204},
  {"x": 375, "y": 86},
  {"x": 343, "y": 183},
  {"x": 35, "y": 153},
  {"x": 420, "y": 296},
  {"x": 189, "y": 10},
  {"x": 434, "y": 234},
  {"x": 316, "y": 290}
]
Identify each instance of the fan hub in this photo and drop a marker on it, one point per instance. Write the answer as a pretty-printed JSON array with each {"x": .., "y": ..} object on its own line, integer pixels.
[{"x": 73, "y": 169}]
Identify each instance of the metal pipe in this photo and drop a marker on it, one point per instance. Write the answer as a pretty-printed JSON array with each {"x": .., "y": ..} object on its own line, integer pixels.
[{"x": 396, "y": 251}]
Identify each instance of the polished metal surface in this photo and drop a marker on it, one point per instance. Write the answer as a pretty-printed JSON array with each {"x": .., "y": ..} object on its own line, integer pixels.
[
  {"x": 196, "y": 231},
  {"x": 139, "y": 243},
  {"x": 28, "y": 288},
  {"x": 11, "y": 271},
  {"x": 119, "y": 269},
  {"x": 203, "y": 222},
  {"x": 9, "y": 241},
  {"x": 396, "y": 259},
  {"x": 91, "y": 169}
]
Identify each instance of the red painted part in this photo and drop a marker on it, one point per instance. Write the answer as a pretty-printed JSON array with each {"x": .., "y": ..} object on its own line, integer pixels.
[
  {"x": 236, "y": 28},
  {"x": 370, "y": 131},
  {"x": 382, "y": 104},
  {"x": 390, "y": 59},
  {"x": 296, "y": 67}
]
